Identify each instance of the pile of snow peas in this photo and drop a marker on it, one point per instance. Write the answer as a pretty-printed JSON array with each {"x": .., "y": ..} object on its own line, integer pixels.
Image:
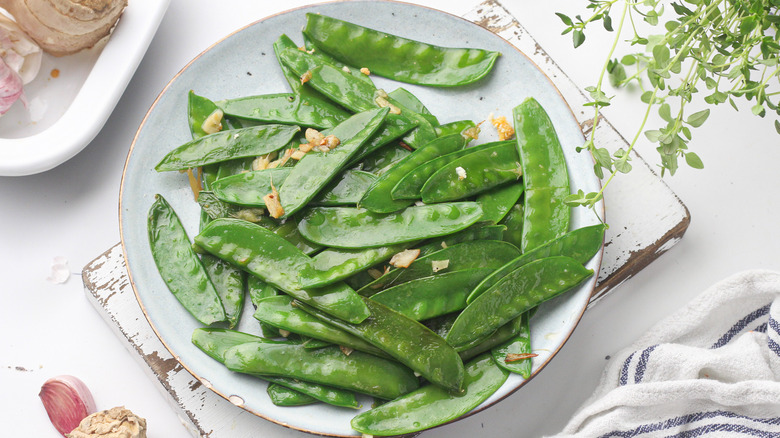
[{"x": 381, "y": 252}]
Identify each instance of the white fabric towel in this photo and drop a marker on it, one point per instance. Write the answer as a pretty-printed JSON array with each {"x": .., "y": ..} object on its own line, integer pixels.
[{"x": 712, "y": 369}]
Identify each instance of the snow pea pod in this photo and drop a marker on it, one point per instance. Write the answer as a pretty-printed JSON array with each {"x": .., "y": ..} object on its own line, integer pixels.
[
  {"x": 227, "y": 145},
  {"x": 407, "y": 341},
  {"x": 456, "y": 127},
  {"x": 199, "y": 109},
  {"x": 283, "y": 396},
  {"x": 398, "y": 58},
  {"x": 229, "y": 284},
  {"x": 520, "y": 290},
  {"x": 324, "y": 393},
  {"x": 249, "y": 188},
  {"x": 346, "y": 227},
  {"x": 257, "y": 289},
  {"x": 429, "y": 297},
  {"x": 289, "y": 230},
  {"x": 581, "y": 245},
  {"x": 411, "y": 184},
  {"x": 359, "y": 372},
  {"x": 179, "y": 267},
  {"x": 473, "y": 173},
  {"x": 514, "y": 225},
  {"x": 498, "y": 202},
  {"x": 285, "y": 108},
  {"x": 378, "y": 199},
  {"x": 520, "y": 344},
  {"x": 381, "y": 161},
  {"x": 503, "y": 334},
  {"x": 279, "y": 312},
  {"x": 323, "y": 57},
  {"x": 316, "y": 168},
  {"x": 278, "y": 262},
  {"x": 346, "y": 189},
  {"x": 430, "y": 405},
  {"x": 333, "y": 264},
  {"x": 410, "y": 101},
  {"x": 546, "y": 180},
  {"x": 491, "y": 254},
  {"x": 293, "y": 79}
]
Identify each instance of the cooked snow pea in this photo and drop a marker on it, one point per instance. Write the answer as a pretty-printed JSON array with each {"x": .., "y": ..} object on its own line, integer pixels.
[
  {"x": 410, "y": 101},
  {"x": 359, "y": 372},
  {"x": 333, "y": 264},
  {"x": 257, "y": 289},
  {"x": 228, "y": 145},
  {"x": 398, "y": 58},
  {"x": 293, "y": 79},
  {"x": 382, "y": 160},
  {"x": 546, "y": 180},
  {"x": 378, "y": 199},
  {"x": 345, "y": 189},
  {"x": 285, "y": 108},
  {"x": 503, "y": 334},
  {"x": 323, "y": 57},
  {"x": 520, "y": 344},
  {"x": 479, "y": 231},
  {"x": 229, "y": 284},
  {"x": 347, "y": 227},
  {"x": 283, "y": 396},
  {"x": 407, "y": 341},
  {"x": 249, "y": 188},
  {"x": 279, "y": 312},
  {"x": 430, "y": 405},
  {"x": 496, "y": 203},
  {"x": 473, "y": 173},
  {"x": 514, "y": 225},
  {"x": 580, "y": 244},
  {"x": 411, "y": 184},
  {"x": 278, "y": 262},
  {"x": 199, "y": 109},
  {"x": 491, "y": 254},
  {"x": 520, "y": 290},
  {"x": 289, "y": 230},
  {"x": 317, "y": 168},
  {"x": 429, "y": 297},
  {"x": 324, "y": 393},
  {"x": 420, "y": 135},
  {"x": 461, "y": 127},
  {"x": 179, "y": 267}
]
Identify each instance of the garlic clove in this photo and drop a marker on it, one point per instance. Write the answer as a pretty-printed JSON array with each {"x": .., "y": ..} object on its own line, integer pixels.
[
  {"x": 20, "y": 52},
  {"x": 67, "y": 401}
]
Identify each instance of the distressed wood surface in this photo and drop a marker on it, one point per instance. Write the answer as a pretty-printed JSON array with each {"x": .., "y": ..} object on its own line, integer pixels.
[{"x": 638, "y": 234}]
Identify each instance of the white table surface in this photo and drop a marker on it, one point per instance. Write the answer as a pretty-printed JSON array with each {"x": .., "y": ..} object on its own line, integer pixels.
[{"x": 71, "y": 211}]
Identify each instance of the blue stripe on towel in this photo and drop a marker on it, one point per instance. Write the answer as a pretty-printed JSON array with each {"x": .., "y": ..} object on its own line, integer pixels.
[
  {"x": 703, "y": 429},
  {"x": 740, "y": 325},
  {"x": 642, "y": 365},
  {"x": 624, "y": 371}
]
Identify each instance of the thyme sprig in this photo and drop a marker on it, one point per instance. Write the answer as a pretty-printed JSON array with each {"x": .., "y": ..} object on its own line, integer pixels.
[{"x": 716, "y": 51}]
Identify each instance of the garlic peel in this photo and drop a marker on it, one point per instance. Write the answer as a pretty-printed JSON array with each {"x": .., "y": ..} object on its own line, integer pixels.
[
  {"x": 67, "y": 401},
  {"x": 116, "y": 422},
  {"x": 20, "y": 52},
  {"x": 11, "y": 88}
]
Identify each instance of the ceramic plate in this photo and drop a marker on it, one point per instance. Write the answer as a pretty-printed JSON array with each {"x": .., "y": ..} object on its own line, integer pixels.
[
  {"x": 69, "y": 107},
  {"x": 243, "y": 64}
]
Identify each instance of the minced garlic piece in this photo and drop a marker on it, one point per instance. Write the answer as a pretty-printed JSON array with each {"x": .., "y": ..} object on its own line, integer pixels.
[
  {"x": 253, "y": 215},
  {"x": 374, "y": 273},
  {"x": 365, "y": 71},
  {"x": 195, "y": 183},
  {"x": 438, "y": 265},
  {"x": 262, "y": 162},
  {"x": 473, "y": 132},
  {"x": 405, "y": 258},
  {"x": 346, "y": 69},
  {"x": 297, "y": 155},
  {"x": 346, "y": 350},
  {"x": 306, "y": 77},
  {"x": 313, "y": 136},
  {"x": 281, "y": 161},
  {"x": 384, "y": 103},
  {"x": 504, "y": 129},
  {"x": 461, "y": 172},
  {"x": 273, "y": 204},
  {"x": 331, "y": 141},
  {"x": 213, "y": 122}
]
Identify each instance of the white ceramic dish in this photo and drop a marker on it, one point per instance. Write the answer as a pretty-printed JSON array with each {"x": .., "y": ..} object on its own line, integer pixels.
[
  {"x": 244, "y": 64},
  {"x": 67, "y": 111}
]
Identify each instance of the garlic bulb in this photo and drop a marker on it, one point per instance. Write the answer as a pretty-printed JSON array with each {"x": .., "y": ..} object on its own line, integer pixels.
[
  {"x": 18, "y": 51},
  {"x": 63, "y": 27},
  {"x": 67, "y": 401}
]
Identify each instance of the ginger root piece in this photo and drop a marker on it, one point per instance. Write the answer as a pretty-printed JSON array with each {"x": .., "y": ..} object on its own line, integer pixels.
[{"x": 63, "y": 27}]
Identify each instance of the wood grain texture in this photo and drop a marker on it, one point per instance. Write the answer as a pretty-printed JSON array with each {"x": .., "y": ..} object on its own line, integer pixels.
[{"x": 640, "y": 231}]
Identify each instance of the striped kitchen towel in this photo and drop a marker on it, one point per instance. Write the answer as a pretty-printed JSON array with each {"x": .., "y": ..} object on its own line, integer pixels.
[{"x": 712, "y": 369}]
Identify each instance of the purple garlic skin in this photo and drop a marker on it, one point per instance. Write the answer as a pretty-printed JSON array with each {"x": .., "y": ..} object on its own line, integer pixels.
[{"x": 67, "y": 401}]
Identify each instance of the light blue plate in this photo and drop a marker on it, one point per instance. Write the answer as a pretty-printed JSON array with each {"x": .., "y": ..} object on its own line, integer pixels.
[{"x": 243, "y": 64}]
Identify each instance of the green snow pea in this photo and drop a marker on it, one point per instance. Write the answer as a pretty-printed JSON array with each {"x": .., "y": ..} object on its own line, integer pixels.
[
  {"x": 457, "y": 127},
  {"x": 418, "y": 136},
  {"x": 580, "y": 244},
  {"x": 333, "y": 264},
  {"x": 347, "y": 227},
  {"x": 249, "y": 188},
  {"x": 229, "y": 284},
  {"x": 503, "y": 334},
  {"x": 520, "y": 344},
  {"x": 278, "y": 262},
  {"x": 498, "y": 202},
  {"x": 283, "y": 396},
  {"x": 514, "y": 225},
  {"x": 285, "y": 108},
  {"x": 279, "y": 312},
  {"x": 382, "y": 160},
  {"x": 179, "y": 267},
  {"x": 405, "y": 340},
  {"x": 293, "y": 79},
  {"x": 473, "y": 173},
  {"x": 378, "y": 200},
  {"x": 547, "y": 178},
  {"x": 316, "y": 168},
  {"x": 257, "y": 289},
  {"x": 346, "y": 189},
  {"x": 479, "y": 231},
  {"x": 359, "y": 372},
  {"x": 410, "y": 101},
  {"x": 398, "y": 58},
  {"x": 491, "y": 254},
  {"x": 324, "y": 58},
  {"x": 429, "y": 297},
  {"x": 199, "y": 109},
  {"x": 520, "y": 290},
  {"x": 411, "y": 184},
  {"x": 324, "y": 393},
  {"x": 289, "y": 230},
  {"x": 430, "y": 405},
  {"x": 227, "y": 145}
]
